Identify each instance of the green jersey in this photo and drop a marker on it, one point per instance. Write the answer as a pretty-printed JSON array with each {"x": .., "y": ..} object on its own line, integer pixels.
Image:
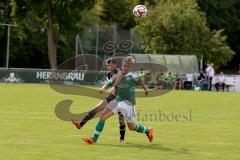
[
  {"x": 126, "y": 88},
  {"x": 170, "y": 78},
  {"x": 160, "y": 76}
]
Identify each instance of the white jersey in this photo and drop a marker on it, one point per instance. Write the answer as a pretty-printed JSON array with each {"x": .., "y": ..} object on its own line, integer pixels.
[
  {"x": 210, "y": 71},
  {"x": 221, "y": 79}
]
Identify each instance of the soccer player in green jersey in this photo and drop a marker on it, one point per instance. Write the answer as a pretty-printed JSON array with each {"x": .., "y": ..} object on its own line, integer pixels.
[
  {"x": 124, "y": 102},
  {"x": 113, "y": 71}
]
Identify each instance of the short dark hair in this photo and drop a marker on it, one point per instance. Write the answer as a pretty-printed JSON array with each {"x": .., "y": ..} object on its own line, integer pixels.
[{"x": 111, "y": 60}]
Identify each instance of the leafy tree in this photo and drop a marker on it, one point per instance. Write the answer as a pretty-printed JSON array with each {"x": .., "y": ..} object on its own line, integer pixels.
[
  {"x": 224, "y": 15},
  {"x": 6, "y": 10},
  {"x": 149, "y": 2},
  {"x": 118, "y": 13},
  {"x": 57, "y": 18},
  {"x": 178, "y": 27}
]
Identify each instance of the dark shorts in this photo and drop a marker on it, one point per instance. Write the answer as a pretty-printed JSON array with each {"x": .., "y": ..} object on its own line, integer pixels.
[{"x": 110, "y": 97}]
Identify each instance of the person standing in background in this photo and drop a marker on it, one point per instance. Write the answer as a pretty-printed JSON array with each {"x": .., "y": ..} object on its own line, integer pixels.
[{"x": 210, "y": 74}]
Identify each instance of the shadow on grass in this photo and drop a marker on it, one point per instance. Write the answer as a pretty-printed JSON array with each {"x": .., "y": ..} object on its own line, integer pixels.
[{"x": 158, "y": 147}]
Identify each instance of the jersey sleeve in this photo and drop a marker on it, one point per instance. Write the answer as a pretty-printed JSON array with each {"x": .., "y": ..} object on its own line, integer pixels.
[
  {"x": 109, "y": 83},
  {"x": 137, "y": 79}
]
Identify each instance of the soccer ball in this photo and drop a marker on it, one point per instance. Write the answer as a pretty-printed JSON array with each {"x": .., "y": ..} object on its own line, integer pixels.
[{"x": 140, "y": 11}]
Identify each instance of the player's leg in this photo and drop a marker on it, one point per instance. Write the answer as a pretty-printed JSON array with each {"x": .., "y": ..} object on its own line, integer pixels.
[
  {"x": 100, "y": 125},
  {"x": 133, "y": 126},
  {"x": 108, "y": 112},
  {"x": 96, "y": 109},
  {"x": 99, "y": 107},
  {"x": 129, "y": 114},
  {"x": 122, "y": 127}
]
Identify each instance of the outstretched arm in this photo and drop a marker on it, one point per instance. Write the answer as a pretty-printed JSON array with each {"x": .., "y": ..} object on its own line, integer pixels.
[
  {"x": 117, "y": 79},
  {"x": 144, "y": 87},
  {"x": 106, "y": 86}
]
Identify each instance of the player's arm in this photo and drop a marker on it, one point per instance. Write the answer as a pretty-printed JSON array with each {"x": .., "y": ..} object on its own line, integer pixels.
[
  {"x": 139, "y": 81},
  {"x": 106, "y": 86},
  {"x": 144, "y": 86},
  {"x": 117, "y": 79}
]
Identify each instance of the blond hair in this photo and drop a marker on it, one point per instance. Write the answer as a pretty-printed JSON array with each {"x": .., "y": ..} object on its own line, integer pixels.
[{"x": 129, "y": 60}]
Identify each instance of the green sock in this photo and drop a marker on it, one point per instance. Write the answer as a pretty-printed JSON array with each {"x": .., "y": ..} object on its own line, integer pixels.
[
  {"x": 98, "y": 130},
  {"x": 140, "y": 128}
]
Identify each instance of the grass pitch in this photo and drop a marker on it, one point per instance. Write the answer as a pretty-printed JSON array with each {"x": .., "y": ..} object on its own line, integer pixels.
[{"x": 206, "y": 125}]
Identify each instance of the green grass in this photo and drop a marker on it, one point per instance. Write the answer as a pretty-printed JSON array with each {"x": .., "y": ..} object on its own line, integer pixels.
[{"x": 29, "y": 129}]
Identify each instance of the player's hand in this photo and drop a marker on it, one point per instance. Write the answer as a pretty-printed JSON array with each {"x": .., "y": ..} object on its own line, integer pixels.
[{"x": 146, "y": 92}]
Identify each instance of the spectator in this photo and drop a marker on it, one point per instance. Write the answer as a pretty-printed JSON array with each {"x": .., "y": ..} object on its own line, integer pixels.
[
  {"x": 151, "y": 85},
  {"x": 141, "y": 73},
  {"x": 178, "y": 81},
  {"x": 210, "y": 74},
  {"x": 170, "y": 80},
  {"x": 160, "y": 79},
  {"x": 147, "y": 78},
  {"x": 188, "y": 81},
  {"x": 201, "y": 78},
  {"x": 221, "y": 81},
  {"x": 207, "y": 70}
]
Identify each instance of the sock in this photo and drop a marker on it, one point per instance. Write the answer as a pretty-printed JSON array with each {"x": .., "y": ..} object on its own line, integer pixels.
[
  {"x": 122, "y": 131},
  {"x": 140, "y": 128},
  {"x": 89, "y": 116},
  {"x": 98, "y": 130}
]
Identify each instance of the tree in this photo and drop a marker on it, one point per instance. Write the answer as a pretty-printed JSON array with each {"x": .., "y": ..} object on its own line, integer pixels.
[
  {"x": 58, "y": 17},
  {"x": 118, "y": 13},
  {"x": 224, "y": 15},
  {"x": 6, "y": 10},
  {"x": 180, "y": 28}
]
